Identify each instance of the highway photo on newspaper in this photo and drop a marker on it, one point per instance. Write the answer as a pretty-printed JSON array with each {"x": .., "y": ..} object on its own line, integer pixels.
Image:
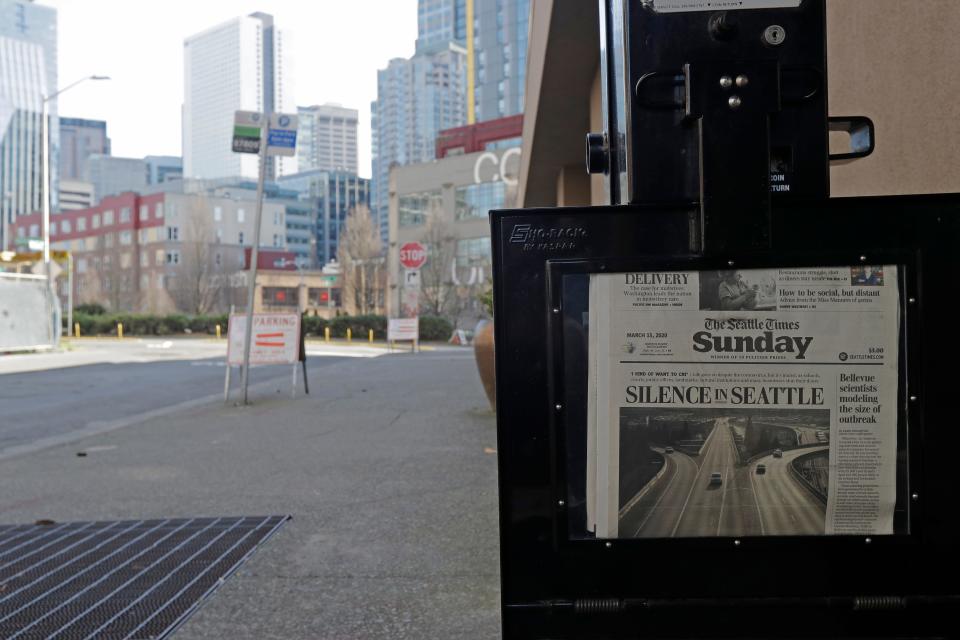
[{"x": 723, "y": 473}]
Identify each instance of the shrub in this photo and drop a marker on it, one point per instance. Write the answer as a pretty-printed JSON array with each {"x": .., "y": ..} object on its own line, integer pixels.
[
  {"x": 90, "y": 309},
  {"x": 435, "y": 328},
  {"x": 314, "y": 325},
  {"x": 359, "y": 325}
]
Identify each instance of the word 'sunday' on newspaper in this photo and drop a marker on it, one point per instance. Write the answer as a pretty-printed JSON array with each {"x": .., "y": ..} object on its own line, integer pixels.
[{"x": 743, "y": 403}]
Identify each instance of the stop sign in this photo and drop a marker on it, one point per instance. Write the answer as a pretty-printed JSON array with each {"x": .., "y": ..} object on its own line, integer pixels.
[{"x": 413, "y": 255}]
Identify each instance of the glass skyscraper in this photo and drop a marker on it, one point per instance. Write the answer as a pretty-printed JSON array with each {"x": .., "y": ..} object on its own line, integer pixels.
[{"x": 28, "y": 73}]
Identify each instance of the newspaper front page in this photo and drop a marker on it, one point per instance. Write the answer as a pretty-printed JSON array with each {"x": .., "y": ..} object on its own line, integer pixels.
[{"x": 743, "y": 403}]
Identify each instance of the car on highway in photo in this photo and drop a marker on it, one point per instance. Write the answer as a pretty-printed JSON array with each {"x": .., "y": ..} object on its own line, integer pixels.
[
  {"x": 761, "y": 469},
  {"x": 716, "y": 478},
  {"x": 778, "y": 453},
  {"x": 668, "y": 450}
]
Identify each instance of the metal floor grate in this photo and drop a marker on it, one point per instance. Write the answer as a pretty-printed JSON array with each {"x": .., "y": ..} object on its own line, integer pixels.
[{"x": 129, "y": 579}]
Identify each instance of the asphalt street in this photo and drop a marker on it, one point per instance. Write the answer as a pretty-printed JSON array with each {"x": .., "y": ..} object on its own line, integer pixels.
[
  {"x": 122, "y": 383},
  {"x": 684, "y": 502},
  {"x": 786, "y": 507}
]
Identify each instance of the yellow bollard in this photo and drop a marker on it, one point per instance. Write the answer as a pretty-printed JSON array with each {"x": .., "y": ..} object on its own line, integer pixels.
[
  {"x": 349, "y": 335},
  {"x": 120, "y": 331},
  {"x": 218, "y": 332},
  {"x": 371, "y": 335},
  {"x": 326, "y": 334},
  {"x": 76, "y": 329}
]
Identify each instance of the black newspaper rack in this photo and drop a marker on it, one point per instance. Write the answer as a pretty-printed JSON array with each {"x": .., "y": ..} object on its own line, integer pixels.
[{"x": 716, "y": 561}]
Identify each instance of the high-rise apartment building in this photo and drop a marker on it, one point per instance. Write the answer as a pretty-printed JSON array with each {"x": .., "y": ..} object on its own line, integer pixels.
[
  {"x": 327, "y": 138},
  {"x": 416, "y": 99},
  {"x": 498, "y": 57},
  {"x": 28, "y": 73},
  {"x": 496, "y": 54},
  {"x": 441, "y": 21},
  {"x": 238, "y": 65},
  {"x": 80, "y": 139}
]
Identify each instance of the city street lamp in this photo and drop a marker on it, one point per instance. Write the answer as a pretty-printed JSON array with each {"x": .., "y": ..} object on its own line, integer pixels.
[{"x": 45, "y": 142}]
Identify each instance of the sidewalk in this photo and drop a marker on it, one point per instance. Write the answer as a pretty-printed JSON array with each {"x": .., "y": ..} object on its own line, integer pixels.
[{"x": 389, "y": 474}]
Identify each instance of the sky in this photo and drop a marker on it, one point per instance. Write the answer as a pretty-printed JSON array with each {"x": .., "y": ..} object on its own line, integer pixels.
[{"x": 338, "y": 46}]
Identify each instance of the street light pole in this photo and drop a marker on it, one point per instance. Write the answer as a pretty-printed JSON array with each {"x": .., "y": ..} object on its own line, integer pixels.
[{"x": 45, "y": 143}]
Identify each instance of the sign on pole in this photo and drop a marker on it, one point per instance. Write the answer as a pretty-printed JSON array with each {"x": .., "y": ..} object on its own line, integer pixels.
[
  {"x": 411, "y": 279},
  {"x": 413, "y": 255},
  {"x": 282, "y": 135},
  {"x": 276, "y": 338},
  {"x": 247, "y": 131}
]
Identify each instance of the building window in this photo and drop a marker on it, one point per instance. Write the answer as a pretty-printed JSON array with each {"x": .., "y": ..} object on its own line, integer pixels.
[
  {"x": 280, "y": 296},
  {"x": 124, "y": 215},
  {"x": 173, "y": 233},
  {"x": 144, "y": 213},
  {"x": 125, "y": 261},
  {"x": 144, "y": 259},
  {"x": 476, "y": 200},
  {"x": 173, "y": 257},
  {"x": 65, "y": 226},
  {"x": 126, "y": 237},
  {"x": 240, "y": 215},
  {"x": 277, "y": 218},
  {"x": 82, "y": 223},
  {"x": 240, "y": 238},
  {"x": 414, "y": 207},
  {"x": 473, "y": 252},
  {"x": 158, "y": 211},
  {"x": 276, "y": 240},
  {"x": 219, "y": 236},
  {"x": 217, "y": 214},
  {"x": 95, "y": 221},
  {"x": 82, "y": 265},
  {"x": 108, "y": 217},
  {"x": 159, "y": 257}
]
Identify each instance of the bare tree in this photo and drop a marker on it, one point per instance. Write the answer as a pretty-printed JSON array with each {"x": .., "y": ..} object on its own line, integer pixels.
[
  {"x": 361, "y": 260},
  {"x": 200, "y": 278},
  {"x": 438, "y": 291}
]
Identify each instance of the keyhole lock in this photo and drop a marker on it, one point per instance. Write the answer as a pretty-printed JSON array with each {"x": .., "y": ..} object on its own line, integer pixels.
[{"x": 774, "y": 35}]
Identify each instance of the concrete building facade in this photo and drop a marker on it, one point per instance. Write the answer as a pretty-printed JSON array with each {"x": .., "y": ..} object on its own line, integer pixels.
[
  {"x": 444, "y": 205},
  {"x": 327, "y": 138},
  {"x": 242, "y": 64}
]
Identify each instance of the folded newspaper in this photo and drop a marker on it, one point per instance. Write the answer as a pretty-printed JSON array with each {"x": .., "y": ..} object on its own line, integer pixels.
[{"x": 743, "y": 403}]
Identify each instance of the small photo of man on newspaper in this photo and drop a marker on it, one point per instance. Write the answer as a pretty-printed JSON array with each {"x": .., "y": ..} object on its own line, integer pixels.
[
  {"x": 730, "y": 290},
  {"x": 701, "y": 472},
  {"x": 866, "y": 276}
]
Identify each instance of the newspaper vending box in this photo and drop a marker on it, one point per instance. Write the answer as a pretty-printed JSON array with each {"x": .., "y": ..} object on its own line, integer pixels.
[{"x": 723, "y": 405}]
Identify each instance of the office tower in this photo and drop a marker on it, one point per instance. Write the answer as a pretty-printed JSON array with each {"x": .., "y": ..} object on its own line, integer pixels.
[
  {"x": 498, "y": 57},
  {"x": 80, "y": 139},
  {"x": 332, "y": 195},
  {"x": 162, "y": 169},
  {"x": 238, "y": 65},
  {"x": 327, "y": 139},
  {"x": 28, "y": 73},
  {"x": 441, "y": 21},
  {"x": 111, "y": 176}
]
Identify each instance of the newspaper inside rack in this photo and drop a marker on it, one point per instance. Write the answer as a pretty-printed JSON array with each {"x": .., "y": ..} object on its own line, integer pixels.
[{"x": 743, "y": 403}]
